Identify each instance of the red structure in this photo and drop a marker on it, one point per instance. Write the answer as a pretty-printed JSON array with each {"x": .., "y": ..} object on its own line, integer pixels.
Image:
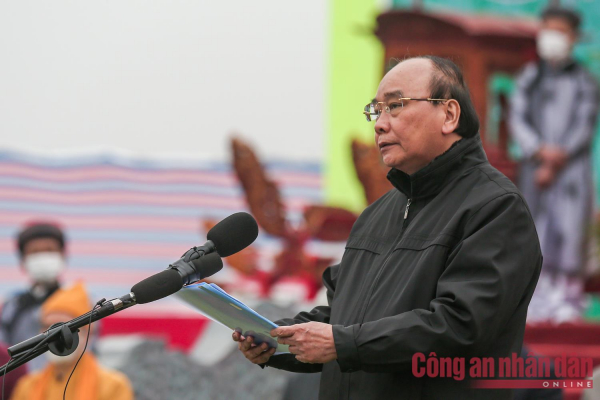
[{"x": 481, "y": 45}]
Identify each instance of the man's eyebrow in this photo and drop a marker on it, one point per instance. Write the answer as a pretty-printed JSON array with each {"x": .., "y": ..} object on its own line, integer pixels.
[{"x": 395, "y": 94}]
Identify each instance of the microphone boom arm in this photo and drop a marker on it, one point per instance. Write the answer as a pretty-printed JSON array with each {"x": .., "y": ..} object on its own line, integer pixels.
[{"x": 40, "y": 344}]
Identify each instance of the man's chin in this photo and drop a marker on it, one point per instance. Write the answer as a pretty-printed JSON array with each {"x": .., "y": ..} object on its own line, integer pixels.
[{"x": 393, "y": 162}]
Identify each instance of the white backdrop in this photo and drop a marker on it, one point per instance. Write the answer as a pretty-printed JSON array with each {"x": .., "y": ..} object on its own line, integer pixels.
[{"x": 164, "y": 77}]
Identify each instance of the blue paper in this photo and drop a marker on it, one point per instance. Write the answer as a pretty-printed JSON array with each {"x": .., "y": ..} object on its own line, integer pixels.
[{"x": 218, "y": 305}]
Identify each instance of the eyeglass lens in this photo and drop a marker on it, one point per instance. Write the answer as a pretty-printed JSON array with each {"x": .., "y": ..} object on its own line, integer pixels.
[{"x": 373, "y": 110}]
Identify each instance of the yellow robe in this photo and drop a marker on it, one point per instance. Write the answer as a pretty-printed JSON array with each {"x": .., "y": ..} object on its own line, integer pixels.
[{"x": 90, "y": 382}]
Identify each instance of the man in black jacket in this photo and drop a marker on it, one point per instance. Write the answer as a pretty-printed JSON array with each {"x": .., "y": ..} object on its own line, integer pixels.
[{"x": 445, "y": 263}]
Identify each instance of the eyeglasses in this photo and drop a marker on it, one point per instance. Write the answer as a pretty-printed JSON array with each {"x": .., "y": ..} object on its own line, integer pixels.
[{"x": 373, "y": 110}]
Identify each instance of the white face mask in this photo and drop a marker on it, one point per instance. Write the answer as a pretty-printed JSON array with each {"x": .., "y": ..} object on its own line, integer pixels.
[
  {"x": 44, "y": 267},
  {"x": 553, "y": 45}
]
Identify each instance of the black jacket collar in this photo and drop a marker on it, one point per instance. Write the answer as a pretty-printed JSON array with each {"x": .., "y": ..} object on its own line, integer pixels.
[{"x": 430, "y": 180}]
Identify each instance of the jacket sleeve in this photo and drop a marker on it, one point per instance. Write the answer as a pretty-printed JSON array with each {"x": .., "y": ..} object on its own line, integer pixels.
[
  {"x": 3, "y": 325},
  {"x": 288, "y": 362},
  {"x": 7, "y": 316},
  {"x": 581, "y": 133},
  {"x": 525, "y": 135},
  {"x": 487, "y": 275}
]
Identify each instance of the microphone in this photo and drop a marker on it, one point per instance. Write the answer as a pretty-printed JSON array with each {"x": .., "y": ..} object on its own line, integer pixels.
[
  {"x": 167, "y": 282},
  {"x": 229, "y": 236}
]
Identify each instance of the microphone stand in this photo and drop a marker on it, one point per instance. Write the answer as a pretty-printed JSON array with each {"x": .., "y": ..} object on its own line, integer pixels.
[{"x": 62, "y": 339}]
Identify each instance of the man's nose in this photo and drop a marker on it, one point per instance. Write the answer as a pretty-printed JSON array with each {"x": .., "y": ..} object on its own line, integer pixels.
[{"x": 382, "y": 125}]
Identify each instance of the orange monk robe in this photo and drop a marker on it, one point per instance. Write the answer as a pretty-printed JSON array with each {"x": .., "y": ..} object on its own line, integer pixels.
[
  {"x": 90, "y": 381},
  {"x": 73, "y": 301}
]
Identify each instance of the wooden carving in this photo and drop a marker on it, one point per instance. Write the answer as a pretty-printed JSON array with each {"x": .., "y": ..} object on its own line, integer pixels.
[
  {"x": 332, "y": 224},
  {"x": 264, "y": 200},
  {"x": 262, "y": 194}
]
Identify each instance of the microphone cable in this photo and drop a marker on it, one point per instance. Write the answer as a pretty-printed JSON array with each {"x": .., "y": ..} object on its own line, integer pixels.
[{"x": 98, "y": 304}]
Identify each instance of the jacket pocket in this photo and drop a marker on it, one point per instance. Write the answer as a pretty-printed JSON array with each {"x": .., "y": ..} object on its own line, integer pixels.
[{"x": 368, "y": 244}]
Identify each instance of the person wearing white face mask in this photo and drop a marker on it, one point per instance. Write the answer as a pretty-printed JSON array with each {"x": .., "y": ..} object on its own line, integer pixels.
[
  {"x": 90, "y": 381},
  {"x": 553, "y": 118},
  {"x": 42, "y": 254}
]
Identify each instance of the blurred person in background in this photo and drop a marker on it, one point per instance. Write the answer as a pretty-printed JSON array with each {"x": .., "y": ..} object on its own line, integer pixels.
[
  {"x": 553, "y": 119},
  {"x": 90, "y": 381},
  {"x": 13, "y": 376},
  {"x": 41, "y": 248}
]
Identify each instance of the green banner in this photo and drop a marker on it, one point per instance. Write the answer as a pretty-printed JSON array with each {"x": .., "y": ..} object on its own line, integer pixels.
[{"x": 355, "y": 68}]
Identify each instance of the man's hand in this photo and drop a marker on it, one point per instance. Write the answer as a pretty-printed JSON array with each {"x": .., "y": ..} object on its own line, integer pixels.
[
  {"x": 311, "y": 342},
  {"x": 544, "y": 176},
  {"x": 553, "y": 156},
  {"x": 256, "y": 354}
]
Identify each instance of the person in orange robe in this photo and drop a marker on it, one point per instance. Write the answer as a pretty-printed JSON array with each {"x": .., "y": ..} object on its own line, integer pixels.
[{"x": 90, "y": 381}]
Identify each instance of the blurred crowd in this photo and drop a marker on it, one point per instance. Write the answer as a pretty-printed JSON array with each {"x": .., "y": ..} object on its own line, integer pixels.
[{"x": 552, "y": 118}]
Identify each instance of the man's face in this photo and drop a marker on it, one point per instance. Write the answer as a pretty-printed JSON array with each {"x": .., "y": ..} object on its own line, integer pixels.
[
  {"x": 413, "y": 138},
  {"x": 562, "y": 26},
  {"x": 51, "y": 318},
  {"x": 43, "y": 260},
  {"x": 41, "y": 245}
]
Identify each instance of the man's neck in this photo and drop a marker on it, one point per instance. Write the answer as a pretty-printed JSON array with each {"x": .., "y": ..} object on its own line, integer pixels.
[
  {"x": 428, "y": 181},
  {"x": 441, "y": 149},
  {"x": 558, "y": 65},
  {"x": 452, "y": 139},
  {"x": 40, "y": 290}
]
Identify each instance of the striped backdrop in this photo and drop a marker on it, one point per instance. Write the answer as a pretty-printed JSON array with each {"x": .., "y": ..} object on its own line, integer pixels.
[{"x": 127, "y": 218}]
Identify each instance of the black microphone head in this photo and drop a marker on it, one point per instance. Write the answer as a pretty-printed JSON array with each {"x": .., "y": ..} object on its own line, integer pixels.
[
  {"x": 207, "y": 265},
  {"x": 233, "y": 234},
  {"x": 157, "y": 286}
]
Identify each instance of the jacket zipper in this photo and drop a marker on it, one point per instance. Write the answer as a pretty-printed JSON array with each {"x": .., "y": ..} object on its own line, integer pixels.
[{"x": 385, "y": 261}]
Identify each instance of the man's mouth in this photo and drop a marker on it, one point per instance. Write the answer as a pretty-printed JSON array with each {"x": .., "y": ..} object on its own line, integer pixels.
[{"x": 384, "y": 145}]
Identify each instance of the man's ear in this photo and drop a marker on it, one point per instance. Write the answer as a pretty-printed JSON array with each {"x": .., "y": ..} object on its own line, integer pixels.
[{"x": 452, "y": 116}]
